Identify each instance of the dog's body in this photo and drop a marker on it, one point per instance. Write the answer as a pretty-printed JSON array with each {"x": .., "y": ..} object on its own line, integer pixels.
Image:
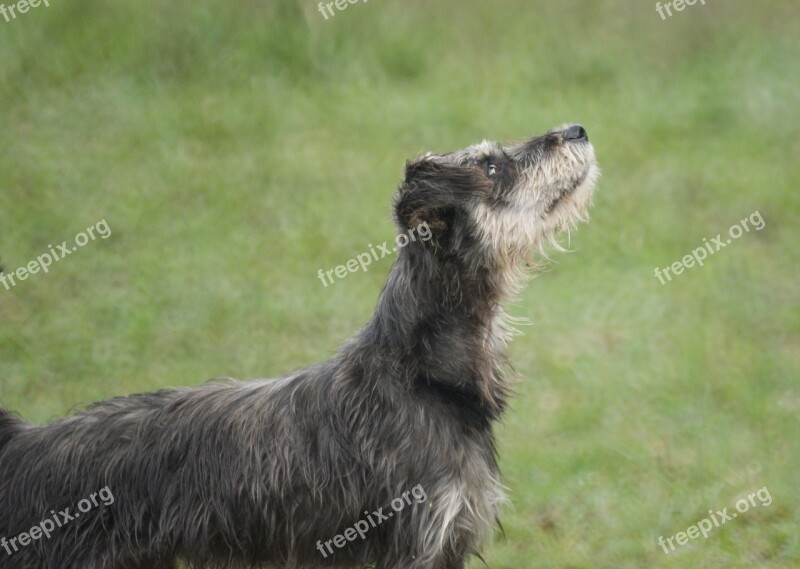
[{"x": 242, "y": 474}]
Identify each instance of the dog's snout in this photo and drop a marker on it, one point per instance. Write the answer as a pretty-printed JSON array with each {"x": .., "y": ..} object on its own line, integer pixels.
[{"x": 576, "y": 132}]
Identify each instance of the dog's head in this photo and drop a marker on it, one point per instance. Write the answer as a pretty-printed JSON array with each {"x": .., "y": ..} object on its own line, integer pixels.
[{"x": 498, "y": 204}]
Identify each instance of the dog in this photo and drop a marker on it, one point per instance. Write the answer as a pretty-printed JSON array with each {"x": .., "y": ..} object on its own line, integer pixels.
[{"x": 317, "y": 469}]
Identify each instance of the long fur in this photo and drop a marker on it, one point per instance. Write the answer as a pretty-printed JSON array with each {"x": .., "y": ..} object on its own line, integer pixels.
[
  {"x": 9, "y": 427},
  {"x": 233, "y": 474}
]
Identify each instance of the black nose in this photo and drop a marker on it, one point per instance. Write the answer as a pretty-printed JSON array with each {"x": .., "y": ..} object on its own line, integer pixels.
[{"x": 576, "y": 132}]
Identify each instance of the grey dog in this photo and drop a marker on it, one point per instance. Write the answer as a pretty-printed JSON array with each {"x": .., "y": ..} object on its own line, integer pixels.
[{"x": 279, "y": 473}]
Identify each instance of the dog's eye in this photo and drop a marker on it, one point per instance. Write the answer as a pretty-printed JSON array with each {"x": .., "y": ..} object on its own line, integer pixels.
[{"x": 492, "y": 169}]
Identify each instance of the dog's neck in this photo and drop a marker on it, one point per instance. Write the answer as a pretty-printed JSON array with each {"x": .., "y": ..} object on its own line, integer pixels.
[{"x": 439, "y": 325}]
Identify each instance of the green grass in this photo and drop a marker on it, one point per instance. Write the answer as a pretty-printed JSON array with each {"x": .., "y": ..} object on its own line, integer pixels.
[{"x": 236, "y": 148}]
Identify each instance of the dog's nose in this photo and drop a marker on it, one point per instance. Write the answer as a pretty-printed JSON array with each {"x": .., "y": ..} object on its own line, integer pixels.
[{"x": 575, "y": 132}]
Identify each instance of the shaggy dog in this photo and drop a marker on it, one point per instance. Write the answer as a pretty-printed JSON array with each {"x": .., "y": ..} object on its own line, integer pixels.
[{"x": 318, "y": 468}]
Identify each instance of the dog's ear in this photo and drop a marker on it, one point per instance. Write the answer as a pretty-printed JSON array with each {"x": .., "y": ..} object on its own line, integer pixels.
[{"x": 433, "y": 190}]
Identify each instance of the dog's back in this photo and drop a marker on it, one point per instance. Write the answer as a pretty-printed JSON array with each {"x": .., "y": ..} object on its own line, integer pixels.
[{"x": 191, "y": 471}]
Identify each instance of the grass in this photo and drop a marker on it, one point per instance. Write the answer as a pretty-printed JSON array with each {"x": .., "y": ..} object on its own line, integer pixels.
[{"x": 236, "y": 150}]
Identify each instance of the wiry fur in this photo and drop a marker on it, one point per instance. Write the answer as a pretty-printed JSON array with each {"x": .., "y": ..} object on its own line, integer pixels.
[{"x": 242, "y": 474}]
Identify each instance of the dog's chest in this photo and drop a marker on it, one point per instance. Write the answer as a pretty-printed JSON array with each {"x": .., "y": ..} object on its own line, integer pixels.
[{"x": 465, "y": 505}]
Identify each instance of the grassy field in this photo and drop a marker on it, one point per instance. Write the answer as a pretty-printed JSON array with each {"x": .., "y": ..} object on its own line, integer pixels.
[{"x": 236, "y": 148}]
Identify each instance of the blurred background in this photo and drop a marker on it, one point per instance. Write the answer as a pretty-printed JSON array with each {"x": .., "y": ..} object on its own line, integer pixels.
[{"x": 236, "y": 148}]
